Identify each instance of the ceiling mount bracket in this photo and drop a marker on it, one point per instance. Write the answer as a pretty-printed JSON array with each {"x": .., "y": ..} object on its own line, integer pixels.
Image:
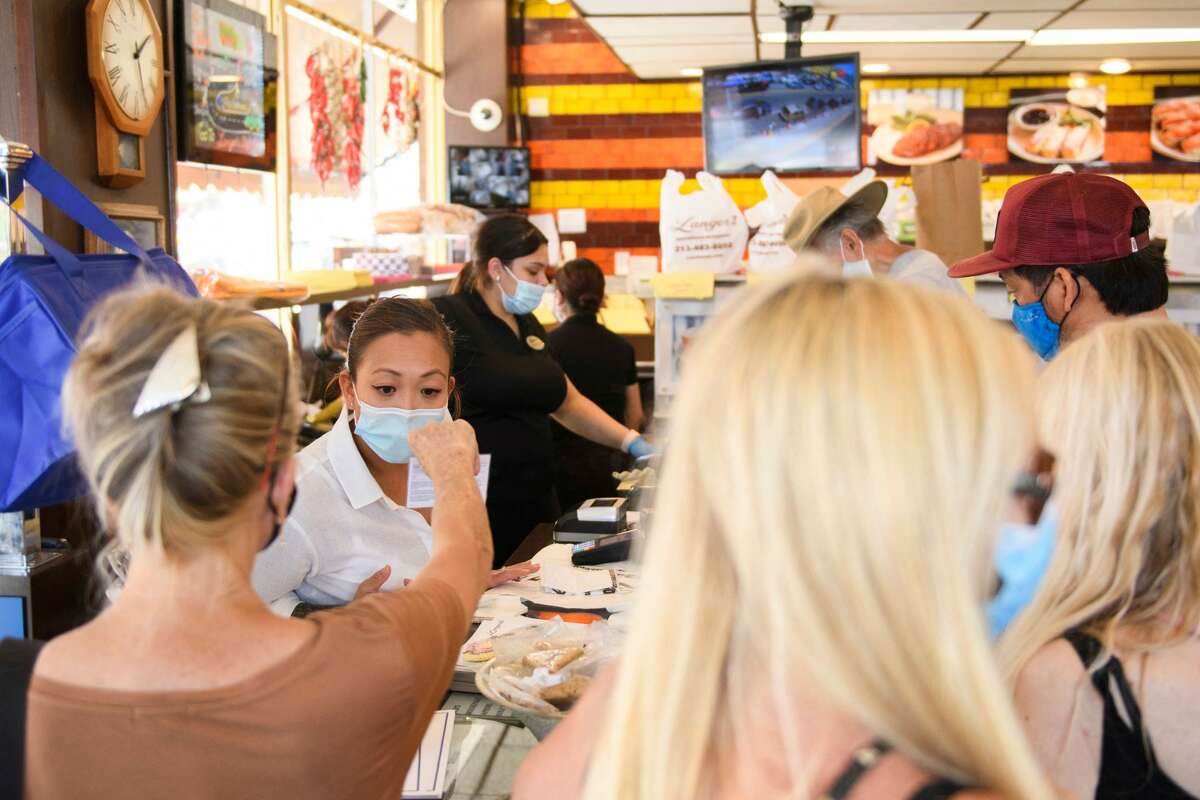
[{"x": 794, "y": 18}]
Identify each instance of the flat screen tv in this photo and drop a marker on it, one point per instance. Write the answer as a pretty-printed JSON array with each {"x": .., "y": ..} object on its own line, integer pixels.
[
  {"x": 797, "y": 115},
  {"x": 489, "y": 177}
]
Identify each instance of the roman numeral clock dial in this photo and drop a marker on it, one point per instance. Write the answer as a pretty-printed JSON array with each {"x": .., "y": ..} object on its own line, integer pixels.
[{"x": 125, "y": 67}]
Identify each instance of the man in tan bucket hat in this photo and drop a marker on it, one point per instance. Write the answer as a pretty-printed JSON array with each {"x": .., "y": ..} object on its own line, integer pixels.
[{"x": 847, "y": 230}]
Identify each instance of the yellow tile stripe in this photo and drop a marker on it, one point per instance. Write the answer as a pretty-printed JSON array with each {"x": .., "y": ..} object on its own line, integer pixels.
[
  {"x": 1184, "y": 188},
  {"x": 618, "y": 98},
  {"x": 629, "y": 193},
  {"x": 1121, "y": 90},
  {"x": 748, "y": 191},
  {"x": 540, "y": 9}
]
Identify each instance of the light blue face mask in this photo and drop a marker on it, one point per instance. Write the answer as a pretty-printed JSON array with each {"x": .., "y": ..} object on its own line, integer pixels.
[
  {"x": 1022, "y": 557},
  {"x": 385, "y": 430},
  {"x": 525, "y": 299}
]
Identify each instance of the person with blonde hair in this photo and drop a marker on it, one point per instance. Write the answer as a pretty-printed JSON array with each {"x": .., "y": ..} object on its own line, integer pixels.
[
  {"x": 1119, "y": 607},
  {"x": 184, "y": 414},
  {"x": 810, "y": 620}
]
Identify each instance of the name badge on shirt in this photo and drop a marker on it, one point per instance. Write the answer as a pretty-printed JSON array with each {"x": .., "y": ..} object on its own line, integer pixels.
[
  {"x": 420, "y": 485},
  {"x": 535, "y": 343}
]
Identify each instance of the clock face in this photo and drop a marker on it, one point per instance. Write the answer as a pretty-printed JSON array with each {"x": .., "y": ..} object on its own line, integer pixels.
[{"x": 129, "y": 50}]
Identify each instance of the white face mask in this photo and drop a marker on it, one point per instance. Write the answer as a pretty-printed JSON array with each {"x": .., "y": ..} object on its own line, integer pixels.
[
  {"x": 855, "y": 269},
  {"x": 559, "y": 312}
]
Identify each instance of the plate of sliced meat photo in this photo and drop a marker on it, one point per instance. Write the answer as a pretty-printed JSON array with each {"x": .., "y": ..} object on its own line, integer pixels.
[
  {"x": 1175, "y": 128},
  {"x": 915, "y": 128}
]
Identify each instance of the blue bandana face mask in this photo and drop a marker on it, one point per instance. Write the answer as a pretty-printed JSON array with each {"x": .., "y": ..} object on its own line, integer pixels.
[
  {"x": 385, "y": 430},
  {"x": 1039, "y": 330},
  {"x": 1042, "y": 333},
  {"x": 525, "y": 299},
  {"x": 1022, "y": 557}
]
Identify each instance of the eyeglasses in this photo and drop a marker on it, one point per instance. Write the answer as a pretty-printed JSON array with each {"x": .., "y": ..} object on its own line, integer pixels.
[{"x": 1033, "y": 487}]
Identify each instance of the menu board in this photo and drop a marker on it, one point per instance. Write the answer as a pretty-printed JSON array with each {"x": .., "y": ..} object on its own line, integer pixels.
[
  {"x": 1057, "y": 126},
  {"x": 1175, "y": 123},
  {"x": 227, "y": 90},
  {"x": 914, "y": 126}
]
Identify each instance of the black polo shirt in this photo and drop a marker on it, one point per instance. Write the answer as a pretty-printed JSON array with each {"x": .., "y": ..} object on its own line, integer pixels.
[
  {"x": 599, "y": 362},
  {"x": 509, "y": 384}
]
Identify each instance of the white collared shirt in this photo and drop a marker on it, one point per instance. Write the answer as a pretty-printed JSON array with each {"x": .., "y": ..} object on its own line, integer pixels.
[{"x": 342, "y": 530}]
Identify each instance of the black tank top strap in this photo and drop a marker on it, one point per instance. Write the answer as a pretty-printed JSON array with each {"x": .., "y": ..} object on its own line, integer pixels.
[
  {"x": 860, "y": 763},
  {"x": 938, "y": 790},
  {"x": 1128, "y": 767}
]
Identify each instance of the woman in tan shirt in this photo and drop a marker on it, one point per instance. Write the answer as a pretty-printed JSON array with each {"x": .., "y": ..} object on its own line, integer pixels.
[{"x": 188, "y": 686}]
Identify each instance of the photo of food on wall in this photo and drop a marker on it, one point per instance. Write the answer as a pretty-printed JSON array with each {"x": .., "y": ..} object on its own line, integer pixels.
[
  {"x": 914, "y": 126},
  {"x": 1057, "y": 126},
  {"x": 1175, "y": 123}
]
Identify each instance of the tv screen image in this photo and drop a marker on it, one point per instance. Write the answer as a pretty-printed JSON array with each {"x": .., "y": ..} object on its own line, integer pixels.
[
  {"x": 798, "y": 115},
  {"x": 489, "y": 177}
]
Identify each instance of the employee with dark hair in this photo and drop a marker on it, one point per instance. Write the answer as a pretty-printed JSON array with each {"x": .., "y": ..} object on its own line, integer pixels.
[
  {"x": 603, "y": 366},
  {"x": 1074, "y": 251},
  {"x": 511, "y": 386}
]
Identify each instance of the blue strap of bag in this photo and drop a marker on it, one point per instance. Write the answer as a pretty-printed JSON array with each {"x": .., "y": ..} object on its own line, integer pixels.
[{"x": 38, "y": 173}]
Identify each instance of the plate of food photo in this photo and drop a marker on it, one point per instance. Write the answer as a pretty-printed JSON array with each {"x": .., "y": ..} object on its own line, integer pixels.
[
  {"x": 1175, "y": 128},
  {"x": 918, "y": 137},
  {"x": 1055, "y": 133}
]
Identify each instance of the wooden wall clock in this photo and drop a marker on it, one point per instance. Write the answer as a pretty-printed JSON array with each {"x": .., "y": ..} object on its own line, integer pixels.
[{"x": 125, "y": 65}]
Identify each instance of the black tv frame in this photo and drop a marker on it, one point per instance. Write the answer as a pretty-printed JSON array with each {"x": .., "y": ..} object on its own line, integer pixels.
[
  {"x": 786, "y": 63},
  {"x": 449, "y": 176}
]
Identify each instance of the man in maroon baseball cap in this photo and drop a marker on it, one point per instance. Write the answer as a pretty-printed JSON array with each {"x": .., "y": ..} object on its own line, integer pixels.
[{"x": 1074, "y": 251}]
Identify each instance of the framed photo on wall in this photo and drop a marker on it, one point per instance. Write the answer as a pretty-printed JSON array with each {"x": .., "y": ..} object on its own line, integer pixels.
[
  {"x": 144, "y": 224},
  {"x": 227, "y": 85}
]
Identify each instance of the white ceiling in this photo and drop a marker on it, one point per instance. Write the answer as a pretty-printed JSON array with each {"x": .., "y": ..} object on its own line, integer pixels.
[{"x": 658, "y": 38}]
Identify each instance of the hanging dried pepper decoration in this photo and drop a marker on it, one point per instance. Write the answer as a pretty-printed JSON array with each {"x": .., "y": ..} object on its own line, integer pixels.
[
  {"x": 323, "y": 147},
  {"x": 353, "y": 118}
]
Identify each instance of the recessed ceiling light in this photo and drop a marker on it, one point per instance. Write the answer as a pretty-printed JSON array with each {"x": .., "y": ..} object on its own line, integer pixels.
[
  {"x": 1119, "y": 36},
  {"x": 875, "y": 69},
  {"x": 892, "y": 37},
  {"x": 1115, "y": 66},
  {"x": 691, "y": 72}
]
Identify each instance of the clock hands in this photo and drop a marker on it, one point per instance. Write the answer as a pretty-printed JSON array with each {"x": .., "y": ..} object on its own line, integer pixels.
[
  {"x": 142, "y": 83},
  {"x": 137, "y": 51}
]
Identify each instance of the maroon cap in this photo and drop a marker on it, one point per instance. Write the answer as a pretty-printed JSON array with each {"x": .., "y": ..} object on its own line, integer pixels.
[{"x": 1063, "y": 218}]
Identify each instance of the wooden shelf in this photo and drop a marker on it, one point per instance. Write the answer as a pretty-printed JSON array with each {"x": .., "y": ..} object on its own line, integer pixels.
[{"x": 441, "y": 275}]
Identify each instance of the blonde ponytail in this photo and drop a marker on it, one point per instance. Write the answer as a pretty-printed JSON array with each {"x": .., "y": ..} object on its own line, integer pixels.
[{"x": 165, "y": 481}]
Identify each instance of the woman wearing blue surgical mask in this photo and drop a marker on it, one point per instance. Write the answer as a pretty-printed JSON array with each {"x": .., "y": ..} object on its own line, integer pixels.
[
  {"x": 511, "y": 386},
  {"x": 351, "y": 532},
  {"x": 1106, "y": 659}
]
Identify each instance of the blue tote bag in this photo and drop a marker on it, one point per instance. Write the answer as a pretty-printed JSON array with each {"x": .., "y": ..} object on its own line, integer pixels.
[{"x": 43, "y": 302}]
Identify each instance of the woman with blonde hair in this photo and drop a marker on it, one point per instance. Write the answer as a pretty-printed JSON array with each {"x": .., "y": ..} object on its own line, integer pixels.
[
  {"x": 1119, "y": 607},
  {"x": 840, "y": 457},
  {"x": 184, "y": 414}
]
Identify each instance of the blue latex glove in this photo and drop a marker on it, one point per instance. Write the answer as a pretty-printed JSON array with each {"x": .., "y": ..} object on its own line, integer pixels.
[{"x": 639, "y": 448}]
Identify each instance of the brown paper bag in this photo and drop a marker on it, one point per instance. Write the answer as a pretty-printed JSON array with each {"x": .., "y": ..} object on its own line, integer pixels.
[{"x": 949, "y": 208}]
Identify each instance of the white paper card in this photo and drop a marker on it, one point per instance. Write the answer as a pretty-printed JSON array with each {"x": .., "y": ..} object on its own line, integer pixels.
[
  {"x": 571, "y": 580},
  {"x": 572, "y": 220},
  {"x": 568, "y": 253},
  {"x": 426, "y": 778},
  {"x": 420, "y": 485}
]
